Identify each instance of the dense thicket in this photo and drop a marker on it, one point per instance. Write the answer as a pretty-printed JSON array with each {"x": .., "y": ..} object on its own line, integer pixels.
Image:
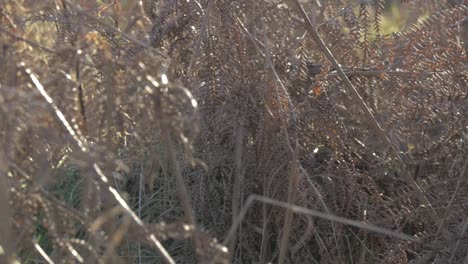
[{"x": 185, "y": 131}]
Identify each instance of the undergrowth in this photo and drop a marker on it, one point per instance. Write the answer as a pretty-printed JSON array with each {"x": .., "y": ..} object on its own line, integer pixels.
[{"x": 215, "y": 131}]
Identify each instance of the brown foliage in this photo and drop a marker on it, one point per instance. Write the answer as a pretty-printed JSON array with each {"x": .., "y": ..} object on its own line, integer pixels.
[{"x": 133, "y": 133}]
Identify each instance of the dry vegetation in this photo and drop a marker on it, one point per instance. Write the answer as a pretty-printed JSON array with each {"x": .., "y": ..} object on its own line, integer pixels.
[{"x": 221, "y": 131}]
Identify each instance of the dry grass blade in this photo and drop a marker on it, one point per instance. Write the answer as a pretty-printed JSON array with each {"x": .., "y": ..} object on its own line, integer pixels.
[
  {"x": 314, "y": 213},
  {"x": 43, "y": 253},
  {"x": 32, "y": 43}
]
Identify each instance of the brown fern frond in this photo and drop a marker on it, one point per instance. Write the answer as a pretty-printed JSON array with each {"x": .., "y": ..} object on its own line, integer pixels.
[
  {"x": 364, "y": 16},
  {"x": 378, "y": 15}
]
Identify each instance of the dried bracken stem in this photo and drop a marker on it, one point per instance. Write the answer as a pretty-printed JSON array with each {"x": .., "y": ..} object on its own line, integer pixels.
[
  {"x": 32, "y": 43},
  {"x": 294, "y": 164},
  {"x": 293, "y": 181},
  {"x": 237, "y": 181},
  {"x": 182, "y": 190}
]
